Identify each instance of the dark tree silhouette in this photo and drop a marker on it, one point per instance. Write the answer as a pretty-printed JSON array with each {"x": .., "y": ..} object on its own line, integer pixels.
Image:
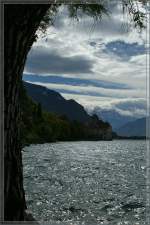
[
  {"x": 39, "y": 111},
  {"x": 20, "y": 24}
]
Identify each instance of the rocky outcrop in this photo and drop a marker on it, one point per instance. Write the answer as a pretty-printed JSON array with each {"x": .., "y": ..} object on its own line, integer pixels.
[{"x": 98, "y": 129}]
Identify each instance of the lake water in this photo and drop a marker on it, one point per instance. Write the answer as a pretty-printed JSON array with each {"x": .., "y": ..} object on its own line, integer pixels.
[{"x": 101, "y": 182}]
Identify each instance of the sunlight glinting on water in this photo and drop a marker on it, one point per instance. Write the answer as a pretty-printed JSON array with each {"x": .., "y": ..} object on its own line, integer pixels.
[{"x": 91, "y": 182}]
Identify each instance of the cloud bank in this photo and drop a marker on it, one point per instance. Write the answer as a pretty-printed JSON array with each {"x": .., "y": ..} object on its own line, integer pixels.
[{"x": 98, "y": 65}]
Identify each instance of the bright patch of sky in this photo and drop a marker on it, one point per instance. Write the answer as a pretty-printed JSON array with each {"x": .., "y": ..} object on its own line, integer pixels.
[{"x": 97, "y": 64}]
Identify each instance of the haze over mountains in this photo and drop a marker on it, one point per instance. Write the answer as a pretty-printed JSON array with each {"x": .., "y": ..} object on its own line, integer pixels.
[
  {"x": 123, "y": 125},
  {"x": 115, "y": 118},
  {"x": 134, "y": 128}
]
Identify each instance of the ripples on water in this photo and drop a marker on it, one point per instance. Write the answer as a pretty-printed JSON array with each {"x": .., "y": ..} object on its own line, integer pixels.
[{"x": 93, "y": 182}]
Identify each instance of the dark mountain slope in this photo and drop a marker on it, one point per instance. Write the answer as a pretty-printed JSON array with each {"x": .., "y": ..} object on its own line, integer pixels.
[
  {"x": 52, "y": 101},
  {"x": 40, "y": 126}
]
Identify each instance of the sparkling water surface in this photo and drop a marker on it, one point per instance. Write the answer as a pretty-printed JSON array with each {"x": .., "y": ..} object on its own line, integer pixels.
[{"x": 101, "y": 182}]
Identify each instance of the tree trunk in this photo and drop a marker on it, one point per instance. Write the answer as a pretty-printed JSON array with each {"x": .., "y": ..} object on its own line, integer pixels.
[{"x": 21, "y": 22}]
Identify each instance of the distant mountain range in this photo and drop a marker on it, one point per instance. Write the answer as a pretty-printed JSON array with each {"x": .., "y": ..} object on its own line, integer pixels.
[
  {"x": 52, "y": 101},
  {"x": 135, "y": 128},
  {"x": 123, "y": 125},
  {"x": 116, "y": 119}
]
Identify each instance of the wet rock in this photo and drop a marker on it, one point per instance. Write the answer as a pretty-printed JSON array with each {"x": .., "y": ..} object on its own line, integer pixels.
[
  {"x": 29, "y": 217},
  {"x": 73, "y": 209},
  {"x": 96, "y": 201},
  {"x": 97, "y": 168},
  {"x": 106, "y": 207},
  {"x": 131, "y": 206},
  {"x": 109, "y": 200}
]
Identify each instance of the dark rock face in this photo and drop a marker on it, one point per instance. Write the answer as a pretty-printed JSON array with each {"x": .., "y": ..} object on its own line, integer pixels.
[{"x": 52, "y": 101}]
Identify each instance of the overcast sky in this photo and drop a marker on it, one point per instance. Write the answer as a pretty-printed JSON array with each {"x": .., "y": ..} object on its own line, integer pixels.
[{"x": 97, "y": 64}]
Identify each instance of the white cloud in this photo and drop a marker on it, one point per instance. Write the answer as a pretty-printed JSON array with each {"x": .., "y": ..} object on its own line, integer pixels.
[
  {"x": 71, "y": 39},
  {"x": 95, "y": 91}
]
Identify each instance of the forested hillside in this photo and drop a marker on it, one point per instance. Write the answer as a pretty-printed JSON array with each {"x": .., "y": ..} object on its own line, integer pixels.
[
  {"x": 53, "y": 101},
  {"x": 40, "y": 126}
]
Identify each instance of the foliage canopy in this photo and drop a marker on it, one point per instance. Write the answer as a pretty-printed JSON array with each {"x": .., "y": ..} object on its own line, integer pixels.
[{"x": 96, "y": 9}]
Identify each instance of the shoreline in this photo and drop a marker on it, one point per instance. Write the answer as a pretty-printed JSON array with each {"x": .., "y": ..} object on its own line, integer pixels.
[{"x": 92, "y": 140}]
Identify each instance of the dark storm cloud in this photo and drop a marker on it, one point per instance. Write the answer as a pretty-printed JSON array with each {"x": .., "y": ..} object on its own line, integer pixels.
[
  {"x": 74, "y": 81},
  {"x": 46, "y": 61}
]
